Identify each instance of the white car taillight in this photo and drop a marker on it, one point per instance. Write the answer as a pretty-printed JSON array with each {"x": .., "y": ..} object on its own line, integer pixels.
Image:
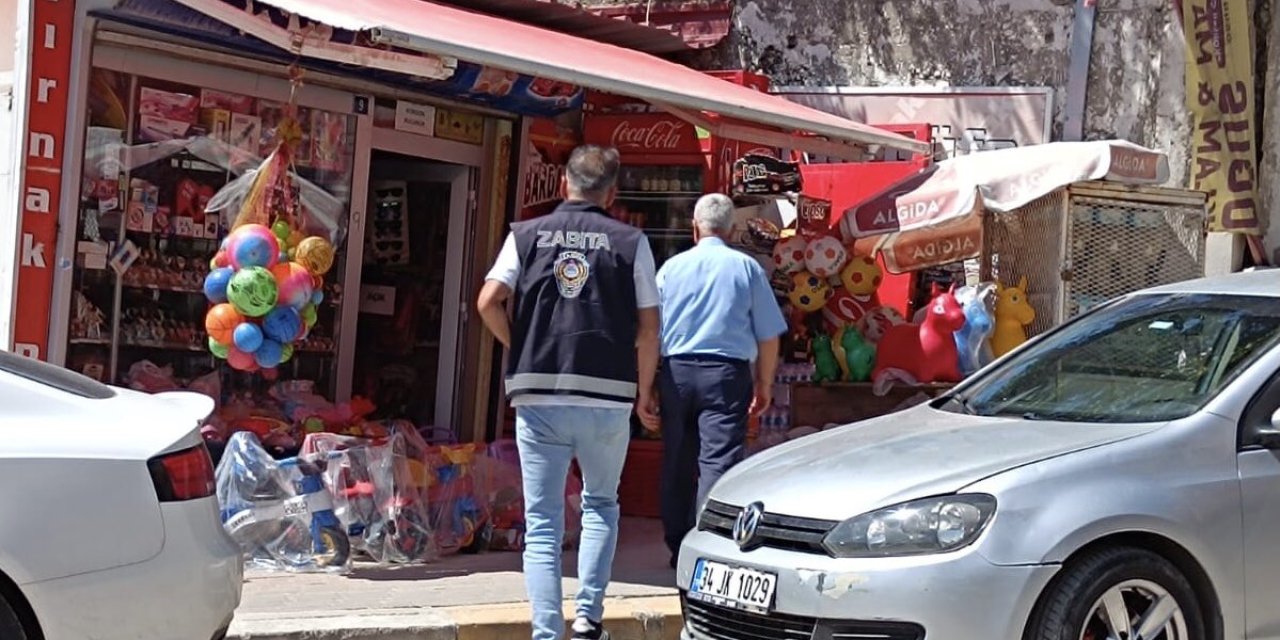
[{"x": 183, "y": 475}]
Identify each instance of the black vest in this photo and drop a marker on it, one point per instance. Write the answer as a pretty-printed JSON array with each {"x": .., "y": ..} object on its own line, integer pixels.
[{"x": 574, "y": 326}]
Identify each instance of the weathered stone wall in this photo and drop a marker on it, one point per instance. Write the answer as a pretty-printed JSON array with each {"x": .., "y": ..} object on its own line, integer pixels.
[
  {"x": 1269, "y": 120},
  {"x": 1136, "y": 88},
  {"x": 1136, "y": 82}
]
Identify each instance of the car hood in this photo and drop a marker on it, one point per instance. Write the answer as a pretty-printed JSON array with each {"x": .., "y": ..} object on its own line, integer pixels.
[{"x": 921, "y": 452}]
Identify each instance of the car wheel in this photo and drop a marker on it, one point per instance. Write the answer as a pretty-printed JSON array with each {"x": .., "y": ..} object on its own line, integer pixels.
[
  {"x": 10, "y": 626},
  {"x": 1118, "y": 593}
]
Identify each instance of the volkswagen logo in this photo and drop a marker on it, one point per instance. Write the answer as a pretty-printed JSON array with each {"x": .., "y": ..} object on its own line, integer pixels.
[{"x": 747, "y": 525}]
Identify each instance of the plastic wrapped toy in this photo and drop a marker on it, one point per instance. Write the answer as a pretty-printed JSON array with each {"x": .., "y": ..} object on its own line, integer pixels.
[
  {"x": 377, "y": 499},
  {"x": 506, "y": 499},
  {"x": 459, "y": 511},
  {"x": 281, "y": 513}
]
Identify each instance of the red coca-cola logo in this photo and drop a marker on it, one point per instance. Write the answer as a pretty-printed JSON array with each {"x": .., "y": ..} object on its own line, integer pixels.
[{"x": 663, "y": 135}]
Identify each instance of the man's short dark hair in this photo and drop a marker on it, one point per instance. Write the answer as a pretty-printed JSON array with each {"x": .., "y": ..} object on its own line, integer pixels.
[{"x": 592, "y": 170}]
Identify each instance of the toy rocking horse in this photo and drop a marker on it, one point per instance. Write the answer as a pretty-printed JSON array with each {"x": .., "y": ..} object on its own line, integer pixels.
[
  {"x": 1013, "y": 314},
  {"x": 926, "y": 350}
]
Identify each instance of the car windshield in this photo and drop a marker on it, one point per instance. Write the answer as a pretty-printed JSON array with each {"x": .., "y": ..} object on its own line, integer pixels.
[{"x": 1148, "y": 358}]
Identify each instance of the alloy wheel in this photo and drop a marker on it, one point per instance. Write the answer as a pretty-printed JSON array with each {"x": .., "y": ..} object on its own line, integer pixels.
[{"x": 1135, "y": 610}]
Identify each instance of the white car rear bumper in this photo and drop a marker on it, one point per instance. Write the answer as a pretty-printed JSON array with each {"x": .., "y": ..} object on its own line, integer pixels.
[{"x": 189, "y": 590}]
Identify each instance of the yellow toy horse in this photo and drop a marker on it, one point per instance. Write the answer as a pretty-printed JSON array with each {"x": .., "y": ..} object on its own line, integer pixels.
[{"x": 1013, "y": 314}]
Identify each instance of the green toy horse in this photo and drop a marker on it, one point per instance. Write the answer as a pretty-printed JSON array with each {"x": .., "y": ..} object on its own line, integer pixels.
[
  {"x": 860, "y": 355},
  {"x": 824, "y": 359}
]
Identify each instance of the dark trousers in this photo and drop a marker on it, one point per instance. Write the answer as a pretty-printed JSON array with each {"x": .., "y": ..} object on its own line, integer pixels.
[{"x": 705, "y": 401}]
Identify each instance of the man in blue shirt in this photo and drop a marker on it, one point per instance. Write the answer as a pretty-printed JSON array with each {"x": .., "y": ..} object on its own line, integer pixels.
[{"x": 719, "y": 315}]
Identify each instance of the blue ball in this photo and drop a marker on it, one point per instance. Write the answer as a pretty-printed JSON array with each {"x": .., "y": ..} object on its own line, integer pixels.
[
  {"x": 282, "y": 324},
  {"x": 215, "y": 284},
  {"x": 317, "y": 297},
  {"x": 269, "y": 354},
  {"x": 248, "y": 337},
  {"x": 253, "y": 250}
]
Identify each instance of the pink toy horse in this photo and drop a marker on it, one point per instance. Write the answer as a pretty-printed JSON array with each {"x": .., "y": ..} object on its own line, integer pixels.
[{"x": 927, "y": 350}]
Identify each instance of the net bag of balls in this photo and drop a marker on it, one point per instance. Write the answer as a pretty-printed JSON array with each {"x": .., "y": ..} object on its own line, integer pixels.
[{"x": 267, "y": 276}]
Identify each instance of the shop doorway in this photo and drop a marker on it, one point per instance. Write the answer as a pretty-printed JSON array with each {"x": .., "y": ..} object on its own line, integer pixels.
[{"x": 407, "y": 334}]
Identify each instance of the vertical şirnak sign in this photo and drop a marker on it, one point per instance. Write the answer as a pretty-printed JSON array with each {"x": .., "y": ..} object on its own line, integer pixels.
[
  {"x": 1220, "y": 96},
  {"x": 52, "y": 26}
]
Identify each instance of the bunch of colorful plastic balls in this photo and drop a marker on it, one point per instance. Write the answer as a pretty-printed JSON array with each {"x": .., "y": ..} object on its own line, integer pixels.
[{"x": 264, "y": 290}]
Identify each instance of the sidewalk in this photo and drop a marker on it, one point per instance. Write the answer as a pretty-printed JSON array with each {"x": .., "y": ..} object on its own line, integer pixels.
[{"x": 457, "y": 598}]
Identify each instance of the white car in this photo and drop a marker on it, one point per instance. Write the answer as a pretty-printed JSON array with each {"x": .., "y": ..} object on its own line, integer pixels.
[{"x": 109, "y": 525}]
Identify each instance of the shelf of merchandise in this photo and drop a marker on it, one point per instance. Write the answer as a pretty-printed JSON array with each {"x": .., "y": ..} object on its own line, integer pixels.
[{"x": 173, "y": 306}]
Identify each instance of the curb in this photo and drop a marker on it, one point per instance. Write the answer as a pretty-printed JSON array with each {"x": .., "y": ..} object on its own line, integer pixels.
[{"x": 641, "y": 618}]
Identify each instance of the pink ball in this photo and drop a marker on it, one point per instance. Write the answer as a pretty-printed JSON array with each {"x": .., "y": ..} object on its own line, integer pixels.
[
  {"x": 253, "y": 245},
  {"x": 293, "y": 281},
  {"x": 240, "y": 360}
]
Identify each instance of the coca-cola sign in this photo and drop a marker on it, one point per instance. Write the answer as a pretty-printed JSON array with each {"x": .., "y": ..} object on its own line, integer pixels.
[
  {"x": 663, "y": 135},
  {"x": 642, "y": 133}
]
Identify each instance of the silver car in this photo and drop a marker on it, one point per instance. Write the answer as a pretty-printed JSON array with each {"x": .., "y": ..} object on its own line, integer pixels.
[{"x": 1117, "y": 478}]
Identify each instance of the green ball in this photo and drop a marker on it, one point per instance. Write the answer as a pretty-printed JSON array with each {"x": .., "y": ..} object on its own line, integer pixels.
[
  {"x": 309, "y": 315},
  {"x": 286, "y": 353},
  {"x": 281, "y": 230},
  {"x": 218, "y": 349},
  {"x": 252, "y": 291}
]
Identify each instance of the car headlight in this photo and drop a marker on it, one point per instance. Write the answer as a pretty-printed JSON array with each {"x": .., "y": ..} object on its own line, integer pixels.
[{"x": 932, "y": 525}]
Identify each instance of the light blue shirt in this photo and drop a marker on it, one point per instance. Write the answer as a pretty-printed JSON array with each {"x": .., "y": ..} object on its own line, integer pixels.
[{"x": 716, "y": 300}]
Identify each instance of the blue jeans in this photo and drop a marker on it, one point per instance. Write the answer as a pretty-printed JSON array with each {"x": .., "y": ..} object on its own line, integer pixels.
[{"x": 550, "y": 437}]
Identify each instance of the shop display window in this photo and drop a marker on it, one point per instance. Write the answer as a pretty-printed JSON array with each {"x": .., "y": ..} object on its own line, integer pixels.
[{"x": 156, "y": 152}]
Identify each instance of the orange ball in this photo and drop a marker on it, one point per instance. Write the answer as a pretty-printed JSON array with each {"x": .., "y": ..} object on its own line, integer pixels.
[{"x": 221, "y": 322}]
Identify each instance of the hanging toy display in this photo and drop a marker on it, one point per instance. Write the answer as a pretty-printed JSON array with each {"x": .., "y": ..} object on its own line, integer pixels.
[
  {"x": 266, "y": 276},
  {"x": 808, "y": 292},
  {"x": 788, "y": 255},
  {"x": 825, "y": 256}
]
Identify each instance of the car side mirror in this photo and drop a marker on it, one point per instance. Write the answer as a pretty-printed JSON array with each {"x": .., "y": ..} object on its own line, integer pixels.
[{"x": 1268, "y": 437}]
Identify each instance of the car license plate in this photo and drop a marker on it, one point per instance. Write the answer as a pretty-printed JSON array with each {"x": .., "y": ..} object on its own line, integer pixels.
[{"x": 735, "y": 587}]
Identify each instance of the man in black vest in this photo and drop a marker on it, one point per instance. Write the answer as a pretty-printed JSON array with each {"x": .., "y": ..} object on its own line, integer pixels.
[{"x": 583, "y": 341}]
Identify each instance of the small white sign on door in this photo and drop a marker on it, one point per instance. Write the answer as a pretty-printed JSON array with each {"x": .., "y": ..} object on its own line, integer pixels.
[
  {"x": 415, "y": 118},
  {"x": 377, "y": 299}
]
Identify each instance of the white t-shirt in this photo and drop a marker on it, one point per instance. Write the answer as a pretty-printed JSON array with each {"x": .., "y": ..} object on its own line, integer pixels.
[{"x": 506, "y": 269}]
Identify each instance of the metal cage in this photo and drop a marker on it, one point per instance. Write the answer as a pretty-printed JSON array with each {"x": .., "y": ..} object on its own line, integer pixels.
[{"x": 1090, "y": 242}]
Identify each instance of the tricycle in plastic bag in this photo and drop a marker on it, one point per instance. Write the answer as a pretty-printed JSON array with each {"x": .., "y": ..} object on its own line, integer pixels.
[{"x": 280, "y": 512}]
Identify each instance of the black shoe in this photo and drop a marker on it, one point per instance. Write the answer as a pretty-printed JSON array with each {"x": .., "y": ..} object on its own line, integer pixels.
[{"x": 584, "y": 629}]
